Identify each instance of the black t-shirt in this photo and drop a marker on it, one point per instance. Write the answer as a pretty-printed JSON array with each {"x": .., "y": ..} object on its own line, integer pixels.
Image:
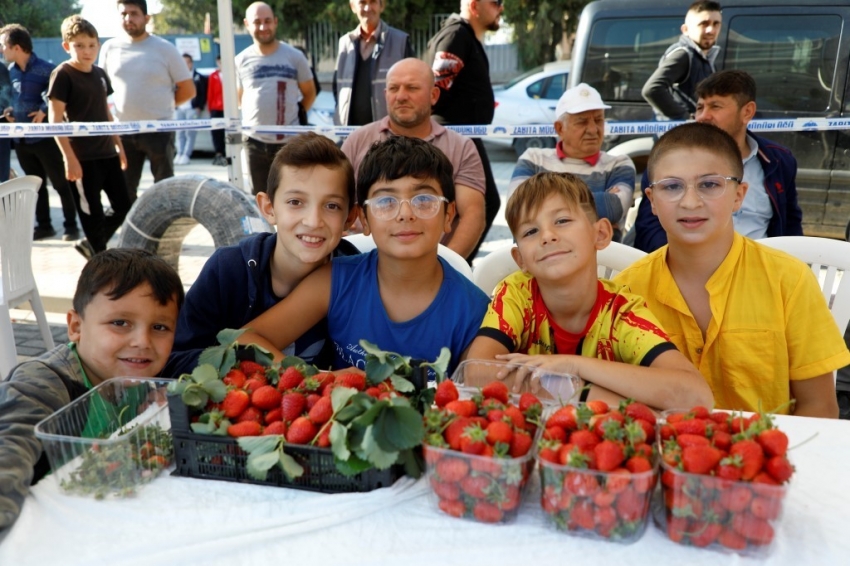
[
  {"x": 84, "y": 95},
  {"x": 463, "y": 74}
]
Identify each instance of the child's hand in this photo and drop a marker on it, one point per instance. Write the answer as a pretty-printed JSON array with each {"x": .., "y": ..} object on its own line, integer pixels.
[
  {"x": 526, "y": 372},
  {"x": 73, "y": 171}
]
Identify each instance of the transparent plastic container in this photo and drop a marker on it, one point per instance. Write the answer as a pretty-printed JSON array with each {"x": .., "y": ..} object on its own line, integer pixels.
[
  {"x": 555, "y": 388},
  {"x": 611, "y": 506},
  {"x": 110, "y": 441}
]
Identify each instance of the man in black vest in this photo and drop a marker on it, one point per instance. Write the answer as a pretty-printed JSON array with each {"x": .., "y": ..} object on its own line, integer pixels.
[
  {"x": 462, "y": 72},
  {"x": 365, "y": 56}
]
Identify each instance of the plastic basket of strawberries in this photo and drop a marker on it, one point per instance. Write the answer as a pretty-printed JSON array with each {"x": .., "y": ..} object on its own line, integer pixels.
[
  {"x": 290, "y": 425},
  {"x": 724, "y": 479},
  {"x": 598, "y": 468}
]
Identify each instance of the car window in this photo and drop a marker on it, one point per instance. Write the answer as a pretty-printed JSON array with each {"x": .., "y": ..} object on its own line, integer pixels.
[
  {"x": 523, "y": 76},
  {"x": 792, "y": 59},
  {"x": 556, "y": 87},
  {"x": 535, "y": 89},
  {"x": 622, "y": 54}
]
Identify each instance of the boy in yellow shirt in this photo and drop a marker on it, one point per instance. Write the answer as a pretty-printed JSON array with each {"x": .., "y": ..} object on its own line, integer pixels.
[
  {"x": 750, "y": 318},
  {"x": 557, "y": 315}
]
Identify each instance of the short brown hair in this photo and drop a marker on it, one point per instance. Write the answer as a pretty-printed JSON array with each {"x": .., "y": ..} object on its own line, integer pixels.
[
  {"x": 705, "y": 6},
  {"x": 75, "y": 25},
  {"x": 16, "y": 34},
  {"x": 697, "y": 135},
  {"x": 731, "y": 82},
  {"x": 305, "y": 151},
  {"x": 530, "y": 195}
]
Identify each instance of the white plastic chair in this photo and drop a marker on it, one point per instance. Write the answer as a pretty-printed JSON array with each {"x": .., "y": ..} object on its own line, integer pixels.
[
  {"x": 495, "y": 266},
  {"x": 365, "y": 244},
  {"x": 830, "y": 262},
  {"x": 17, "y": 219}
]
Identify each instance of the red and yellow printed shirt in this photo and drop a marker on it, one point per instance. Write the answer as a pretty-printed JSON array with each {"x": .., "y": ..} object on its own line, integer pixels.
[{"x": 620, "y": 327}]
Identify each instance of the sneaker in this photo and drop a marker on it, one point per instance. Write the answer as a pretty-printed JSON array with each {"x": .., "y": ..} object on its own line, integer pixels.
[
  {"x": 219, "y": 160},
  {"x": 85, "y": 248},
  {"x": 71, "y": 234},
  {"x": 181, "y": 160},
  {"x": 42, "y": 232}
]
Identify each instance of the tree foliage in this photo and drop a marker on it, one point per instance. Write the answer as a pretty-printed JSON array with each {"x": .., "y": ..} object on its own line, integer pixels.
[
  {"x": 540, "y": 25},
  {"x": 42, "y": 18}
]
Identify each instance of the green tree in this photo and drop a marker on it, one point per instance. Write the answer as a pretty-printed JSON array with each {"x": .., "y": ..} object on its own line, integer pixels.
[
  {"x": 540, "y": 25},
  {"x": 42, "y": 18}
]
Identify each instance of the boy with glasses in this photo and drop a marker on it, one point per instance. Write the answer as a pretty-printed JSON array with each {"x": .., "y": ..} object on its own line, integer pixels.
[
  {"x": 750, "y": 318},
  {"x": 401, "y": 296}
]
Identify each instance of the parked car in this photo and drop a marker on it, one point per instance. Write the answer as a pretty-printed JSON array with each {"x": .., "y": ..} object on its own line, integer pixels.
[{"x": 530, "y": 98}]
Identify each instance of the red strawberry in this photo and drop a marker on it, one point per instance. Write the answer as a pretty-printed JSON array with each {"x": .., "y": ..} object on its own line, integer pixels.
[
  {"x": 235, "y": 378},
  {"x": 373, "y": 392},
  {"x": 475, "y": 486},
  {"x": 565, "y": 417},
  {"x": 667, "y": 431},
  {"x": 637, "y": 410},
  {"x": 600, "y": 425},
  {"x": 730, "y": 468},
  {"x": 705, "y": 533},
  {"x": 246, "y": 428},
  {"x": 251, "y": 414},
  {"x": 453, "y": 432},
  {"x": 452, "y": 469},
  {"x": 736, "y": 498},
  {"x": 462, "y": 408},
  {"x": 499, "y": 431},
  {"x": 293, "y": 405},
  {"x": 721, "y": 440},
  {"x": 766, "y": 508},
  {"x": 235, "y": 403},
  {"x": 583, "y": 484},
  {"x": 276, "y": 427},
  {"x": 530, "y": 402},
  {"x": 700, "y": 412},
  {"x": 290, "y": 379},
  {"x": 774, "y": 442},
  {"x": 779, "y": 468},
  {"x": 690, "y": 426},
  {"x": 581, "y": 516},
  {"x": 731, "y": 539},
  {"x": 266, "y": 398},
  {"x": 549, "y": 452},
  {"x": 609, "y": 455},
  {"x": 520, "y": 444},
  {"x": 312, "y": 399},
  {"x": 618, "y": 480},
  {"x": 487, "y": 512},
  {"x": 685, "y": 440},
  {"x": 598, "y": 407},
  {"x": 446, "y": 393},
  {"x": 555, "y": 433},
  {"x": 301, "y": 431},
  {"x": 584, "y": 440},
  {"x": 700, "y": 459},
  {"x": 496, "y": 390},
  {"x": 445, "y": 490},
  {"x": 630, "y": 505},
  {"x": 249, "y": 367},
  {"x": 752, "y": 457},
  {"x": 473, "y": 440},
  {"x": 350, "y": 379},
  {"x": 516, "y": 416},
  {"x": 752, "y": 528},
  {"x": 454, "y": 508},
  {"x": 640, "y": 465},
  {"x": 322, "y": 411},
  {"x": 254, "y": 383},
  {"x": 324, "y": 439},
  {"x": 647, "y": 428},
  {"x": 494, "y": 415},
  {"x": 274, "y": 415}
]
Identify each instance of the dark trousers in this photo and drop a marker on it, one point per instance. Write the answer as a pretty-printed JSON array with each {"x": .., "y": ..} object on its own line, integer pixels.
[
  {"x": 101, "y": 175},
  {"x": 158, "y": 147},
  {"x": 5, "y": 159},
  {"x": 43, "y": 159},
  {"x": 492, "y": 202},
  {"x": 217, "y": 135},
  {"x": 260, "y": 157}
]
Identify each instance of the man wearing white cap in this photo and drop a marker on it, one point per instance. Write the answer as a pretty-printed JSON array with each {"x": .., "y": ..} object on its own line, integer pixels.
[{"x": 580, "y": 125}]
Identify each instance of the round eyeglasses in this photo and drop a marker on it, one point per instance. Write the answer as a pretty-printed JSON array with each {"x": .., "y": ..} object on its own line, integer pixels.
[
  {"x": 423, "y": 206},
  {"x": 708, "y": 187}
]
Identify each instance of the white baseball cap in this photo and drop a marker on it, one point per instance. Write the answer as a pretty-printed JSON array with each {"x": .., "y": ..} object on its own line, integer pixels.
[{"x": 580, "y": 98}]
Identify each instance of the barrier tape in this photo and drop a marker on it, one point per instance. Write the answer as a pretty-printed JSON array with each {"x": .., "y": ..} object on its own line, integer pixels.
[{"x": 233, "y": 125}]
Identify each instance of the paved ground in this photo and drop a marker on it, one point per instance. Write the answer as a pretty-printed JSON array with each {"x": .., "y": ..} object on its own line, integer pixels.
[{"x": 57, "y": 265}]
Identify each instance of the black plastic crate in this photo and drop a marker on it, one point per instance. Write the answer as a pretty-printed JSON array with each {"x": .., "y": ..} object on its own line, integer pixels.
[{"x": 211, "y": 457}]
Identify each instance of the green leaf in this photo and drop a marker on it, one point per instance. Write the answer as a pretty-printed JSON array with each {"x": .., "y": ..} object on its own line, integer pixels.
[
  {"x": 291, "y": 361},
  {"x": 222, "y": 427},
  {"x": 378, "y": 370},
  {"x": 357, "y": 405},
  {"x": 258, "y": 444},
  {"x": 399, "y": 428},
  {"x": 291, "y": 468},
  {"x": 228, "y": 336},
  {"x": 259, "y": 464},
  {"x": 340, "y": 397},
  {"x": 194, "y": 396},
  {"x": 379, "y": 457},
  {"x": 216, "y": 390},
  {"x": 203, "y": 428},
  {"x": 368, "y": 417},
  {"x": 213, "y": 356},
  {"x": 373, "y": 350},
  {"x": 441, "y": 364},
  {"x": 262, "y": 356},
  {"x": 401, "y": 384},
  {"x": 204, "y": 373},
  {"x": 177, "y": 387},
  {"x": 352, "y": 466},
  {"x": 338, "y": 441},
  {"x": 227, "y": 362},
  {"x": 413, "y": 463}
]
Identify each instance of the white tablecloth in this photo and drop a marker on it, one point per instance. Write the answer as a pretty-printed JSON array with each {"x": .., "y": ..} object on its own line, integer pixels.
[{"x": 185, "y": 521}]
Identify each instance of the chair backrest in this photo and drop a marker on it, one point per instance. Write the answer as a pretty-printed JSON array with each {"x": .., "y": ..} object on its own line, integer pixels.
[
  {"x": 17, "y": 220},
  {"x": 498, "y": 264},
  {"x": 366, "y": 243},
  {"x": 830, "y": 262}
]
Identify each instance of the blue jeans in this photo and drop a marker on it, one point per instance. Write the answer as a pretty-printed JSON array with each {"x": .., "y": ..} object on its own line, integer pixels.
[{"x": 186, "y": 139}]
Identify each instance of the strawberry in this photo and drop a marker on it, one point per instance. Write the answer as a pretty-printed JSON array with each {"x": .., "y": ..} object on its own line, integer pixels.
[
  {"x": 752, "y": 528},
  {"x": 276, "y": 427},
  {"x": 516, "y": 416},
  {"x": 312, "y": 399},
  {"x": 528, "y": 402},
  {"x": 731, "y": 539},
  {"x": 250, "y": 414},
  {"x": 752, "y": 457},
  {"x": 454, "y": 431},
  {"x": 475, "y": 486},
  {"x": 350, "y": 379},
  {"x": 640, "y": 465},
  {"x": 290, "y": 379},
  {"x": 720, "y": 417},
  {"x": 584, "y": 440},
  {"x": 445, "y": 490},
  {"x": 452, "y": 469},
  {"x": 700, "y": 459},
  {"x": 736, "y": 498},
  {"x": 446, "y": 392},
  {"x": 637, "y": 410},
  {"x": 462, "y": 408},
  {"x": 600, "y": 425},
  {"x": 549, "y": 452},
  {"x": 598, "y": 407},
  {"x": 266, "y": 398},
  {"x": 700, "y": 412},
  {"x": 487, "y": 512},
  {"x": 520, "y": 444},
  {"x": 677, "y": 528},
  {"x": 766, "y": 508},
  {"x": 249, "y": 367},
  {"x": 473, "y": 440},
  {"x": 721, "y": 440},
  {"x": 254, "y": 383},
  {"x": 582, "y": 484},
  {"x": 235, "y": 403},
  {"x": 685, "y": 440},
  {"x": 496, "y": 390},
  {"x": 555, "y": 433},
  {"x": 581, "y": 516},
  {"x": 647, "y": 428},
  {"x": 245, "y": 428},
  {"x": 666, "y": 432},
  {"x": 730, "y": 468},
  {"x": 494, "y": 415},
  {"x": 323, "y": 381},
  {"x": 301, "y": 431},
  {"x": 774, "y": 442},
  {"x": 274, "y": 415},
  {"x": 322, "y": 411},
  {"x": 618, "y": 480},
  {"x": 499, "y": 431},
  {"x": 292, "y": 405},
  {"x": 705, "y": 533},
  {"x": 690, "y": 426},
  {"x": 609, "y": 455},
  {"x": 373, "y": 392},
  {"x": 604, "y": 498},
  {"x": 779, "y": 468},
  {"x": 454, "y": 508},
  {"x": 565, "y": 417},
  {"x": 324, "y": 439},
  {"x": 235, "y": 378},
  {"x": 630, "y": 505}
]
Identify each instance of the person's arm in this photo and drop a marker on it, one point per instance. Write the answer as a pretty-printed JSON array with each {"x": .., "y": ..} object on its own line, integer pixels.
[
  {"x": 815, "y": 397},
  {"x": 649, "y": 233},
  {"x": 793, "y": 212},
  {"x": 657, "y": 90},
  {"x": 485, "y": 348},
  {"x": 471, "y": 220},
  {"x": 524, "y": 168},
  {"x": 308, "y": 92},
  {"x": 669, "y": 382},
  {"x": 119, "y": 147},
  {"x": 56, "y": 115},
  {"x": 285, "y": 322},
  {"x": 183, "y": 91}
]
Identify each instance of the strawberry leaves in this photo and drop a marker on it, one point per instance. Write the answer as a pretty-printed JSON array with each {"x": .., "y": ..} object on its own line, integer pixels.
[
  {"x": 198, "y": 388},
  {"x": 264, "y": 452}
]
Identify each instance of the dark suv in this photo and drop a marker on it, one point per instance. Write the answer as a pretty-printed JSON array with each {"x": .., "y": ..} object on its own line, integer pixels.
[{"x": 797, "y": 54}]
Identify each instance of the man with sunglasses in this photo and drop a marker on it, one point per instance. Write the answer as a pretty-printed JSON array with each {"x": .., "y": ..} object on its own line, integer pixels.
[
  {"x": 727, "y": 99},
  {"x": 410, "y": 94},
  {"x": 462, "y": 70}
]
